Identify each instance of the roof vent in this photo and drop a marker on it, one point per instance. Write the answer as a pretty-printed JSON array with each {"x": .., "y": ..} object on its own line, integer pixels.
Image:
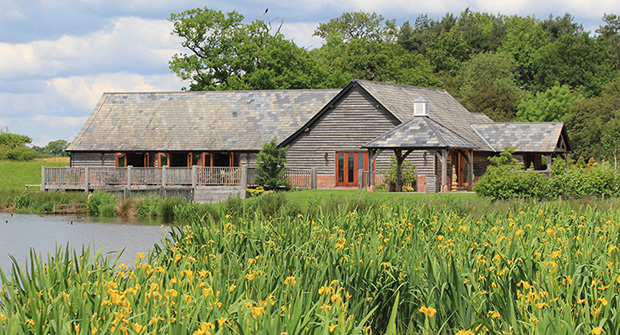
[{"x": 420, "y": 107}]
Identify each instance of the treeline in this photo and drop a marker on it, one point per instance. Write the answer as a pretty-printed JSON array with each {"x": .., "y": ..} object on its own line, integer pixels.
[
  {"x": 511, "y": 68},
  {"x": 17, "y": 147}
]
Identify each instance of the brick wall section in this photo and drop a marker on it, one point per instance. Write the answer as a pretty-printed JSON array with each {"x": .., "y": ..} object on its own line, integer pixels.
[
  {"x": 421, "y": 184},
  {"x": 323, "y": 181}
]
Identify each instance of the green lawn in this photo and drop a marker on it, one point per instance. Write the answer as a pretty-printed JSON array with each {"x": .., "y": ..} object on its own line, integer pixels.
[
  {"x": 310, "y": 196},
  {"x": 14, "y": 175}
]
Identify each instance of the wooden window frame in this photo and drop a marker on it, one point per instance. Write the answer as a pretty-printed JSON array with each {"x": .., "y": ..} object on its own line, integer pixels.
[
  {"x": 117, "y": 155},
  {"x": 231, "y": 158}
]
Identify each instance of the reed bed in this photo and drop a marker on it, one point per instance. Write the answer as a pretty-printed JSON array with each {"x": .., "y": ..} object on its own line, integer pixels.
[{"x": 410, "y": 268}]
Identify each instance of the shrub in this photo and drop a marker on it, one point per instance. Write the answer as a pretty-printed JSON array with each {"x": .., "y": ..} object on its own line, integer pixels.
[
  {"x": 408, "y": 189},
  {"x": 271, "y": 166},
  {"x": 408, "y": 172},
  {"x": 502, "y": 181},
  {"x": 254, "y": 192},
  {"x": 18, "y": 153},
  {"x": 97, "y": 200}
]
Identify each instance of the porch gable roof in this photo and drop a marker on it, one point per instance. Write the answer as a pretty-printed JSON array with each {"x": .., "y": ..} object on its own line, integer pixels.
[{"x": 421, "y": 132}]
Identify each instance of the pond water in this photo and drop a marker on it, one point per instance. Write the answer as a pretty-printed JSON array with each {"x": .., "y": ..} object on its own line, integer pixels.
[{"x": 21, "y": 232}]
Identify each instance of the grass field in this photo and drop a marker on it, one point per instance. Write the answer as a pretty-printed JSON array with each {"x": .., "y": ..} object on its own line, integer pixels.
[{"x": 14, "y": 175}]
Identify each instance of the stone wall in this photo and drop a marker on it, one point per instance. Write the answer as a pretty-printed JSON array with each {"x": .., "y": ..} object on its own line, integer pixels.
[{"x": 215, "y": 194}]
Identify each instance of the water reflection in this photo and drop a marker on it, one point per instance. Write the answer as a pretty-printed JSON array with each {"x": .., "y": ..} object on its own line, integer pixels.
[{"x": 21, "y": 232}]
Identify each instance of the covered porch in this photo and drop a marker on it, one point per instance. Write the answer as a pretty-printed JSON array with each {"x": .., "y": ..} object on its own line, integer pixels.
[{"x": 454, "y": 154}]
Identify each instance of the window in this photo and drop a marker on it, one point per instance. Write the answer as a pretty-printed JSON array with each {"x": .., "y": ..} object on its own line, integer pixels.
[{"x": 121, "y": 160}]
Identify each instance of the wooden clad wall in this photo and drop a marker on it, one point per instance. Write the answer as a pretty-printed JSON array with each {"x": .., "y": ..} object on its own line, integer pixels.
[
  {"x": 353, "y": 121},
  {"x": 423, "y": 160},
  {"x": 481, "y": 162},
  {"x": 248, "y": 159},
  {"x": 93, "y": 159}
]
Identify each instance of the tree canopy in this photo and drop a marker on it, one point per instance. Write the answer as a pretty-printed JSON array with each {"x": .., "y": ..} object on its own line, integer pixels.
[
  {"x": 508, "y": 67},
  {"x": 14, "y": 147}
]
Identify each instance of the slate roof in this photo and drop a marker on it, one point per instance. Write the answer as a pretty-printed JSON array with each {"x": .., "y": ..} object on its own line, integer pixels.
[
  {"x": 541, "y": 137},
  {"x": 442, "y": 108},
  {"x": 188, "y": 121},
  {"x": 421, "y": 132}
]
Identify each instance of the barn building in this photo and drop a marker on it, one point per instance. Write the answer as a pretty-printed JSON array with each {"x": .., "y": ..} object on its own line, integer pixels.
[{"x": 343, "y": 135}]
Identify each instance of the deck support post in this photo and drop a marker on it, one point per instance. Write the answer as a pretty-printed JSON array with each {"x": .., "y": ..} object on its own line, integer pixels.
[
  {"x": 164, "y": 180},
  {"x": 129, "y": 176},
  {"x": 194, "y": 176},
  {"x": 313, "y": 178},
  {"x": 244, "y": 177},
  {"x": 86, "y": 181},
  {"x": 43, "y": 176}
]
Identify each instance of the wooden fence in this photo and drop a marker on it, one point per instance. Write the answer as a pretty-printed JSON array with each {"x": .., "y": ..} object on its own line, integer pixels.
[{"x": 298, "y": 178}]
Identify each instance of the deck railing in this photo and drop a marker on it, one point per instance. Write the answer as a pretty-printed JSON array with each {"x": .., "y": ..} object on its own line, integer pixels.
[
  {"x": 71, "y": 176},
  {"x": 145, "y": 176},
  {"x": 96, "y": 177},
  {"x": 218, "y": 176},
  {"x": 178, "y": 176},
  {"x": 107, "y": 176},
  {"x": 88, "y": 178}
]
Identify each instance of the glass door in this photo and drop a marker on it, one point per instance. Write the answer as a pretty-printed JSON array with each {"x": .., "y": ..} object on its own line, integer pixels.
[{"x": 348, "y": 165}]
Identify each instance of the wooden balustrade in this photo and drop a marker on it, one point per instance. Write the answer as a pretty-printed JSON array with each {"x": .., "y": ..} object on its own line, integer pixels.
[{"x": 89, "y": 178}]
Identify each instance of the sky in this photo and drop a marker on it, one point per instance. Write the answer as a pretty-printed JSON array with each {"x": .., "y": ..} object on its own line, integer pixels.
[{"x": 57, "y": 57}]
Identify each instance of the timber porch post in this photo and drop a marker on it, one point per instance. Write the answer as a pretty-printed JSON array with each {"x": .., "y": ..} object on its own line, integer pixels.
[
  {"x": 470, "y": 155},
  {"x": 444, "y": 171}
]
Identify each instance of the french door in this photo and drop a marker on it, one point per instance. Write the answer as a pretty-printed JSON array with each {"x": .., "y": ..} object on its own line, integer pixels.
[
  {"x": 348, "y": 165},
  {"x": 461, "y": 169}
]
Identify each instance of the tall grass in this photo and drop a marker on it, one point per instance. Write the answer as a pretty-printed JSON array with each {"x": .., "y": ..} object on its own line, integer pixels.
[{"x": 535, "y": 268}]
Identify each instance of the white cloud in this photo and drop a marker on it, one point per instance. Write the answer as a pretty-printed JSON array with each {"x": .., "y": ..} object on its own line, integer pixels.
[
  {"x": 129, "y": 42},
  {"x": 301, "y": 34},
  {"x": 59, "y": 122},
  {"x": 43, "y": 140},
  {"x": 85, "y": 91}
]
